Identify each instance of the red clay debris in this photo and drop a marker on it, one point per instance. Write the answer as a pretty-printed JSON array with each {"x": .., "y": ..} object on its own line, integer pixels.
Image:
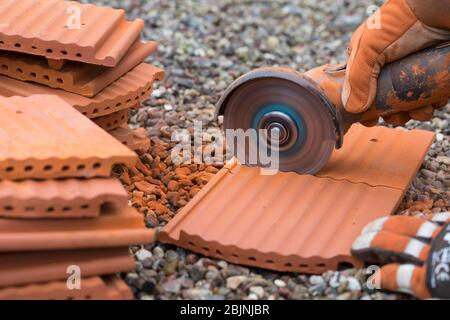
[
  {"x": 50, "y": 199},
  {"x": 115, "y": 228},
  {"x": 43, "y": 137},
  {"x": 50, "y": 28},
  {"x": 93, "y": 288},
  {"x": 37, "y": 267},
  {"x": 131, "y": 89},
  {"x": 83, "y": 79},
  {"x": 112, "y": 121},
  {"x": 296, "y": 223}
]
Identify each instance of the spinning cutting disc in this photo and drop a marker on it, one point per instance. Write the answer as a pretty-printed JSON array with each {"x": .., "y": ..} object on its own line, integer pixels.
[{"x": 293, "y": 113}]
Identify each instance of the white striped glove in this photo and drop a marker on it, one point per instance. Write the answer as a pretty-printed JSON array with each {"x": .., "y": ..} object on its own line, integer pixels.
[{"x": 414, "y": 254}]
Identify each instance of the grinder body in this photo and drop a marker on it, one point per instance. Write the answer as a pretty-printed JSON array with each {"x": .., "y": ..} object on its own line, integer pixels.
[{"x": 307, "y": 109}]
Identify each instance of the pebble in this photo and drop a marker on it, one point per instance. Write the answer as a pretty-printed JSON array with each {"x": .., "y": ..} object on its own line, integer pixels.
[
  {"x": 143, "y": 254},
  {"x": 279, "y": 283},
  {"x": 258, "y": 291},
  {"x": 234, "y": 282}
]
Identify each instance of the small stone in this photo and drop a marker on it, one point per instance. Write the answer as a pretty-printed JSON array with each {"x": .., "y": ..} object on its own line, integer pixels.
[
  {"x": 259, "y": 291},
  {"x": 158, "y": 252},
  {"x": 280, "y": 283},
  {"x": 172, "y": 286},
  {"x": 353, "y": 284},
  {"x": 273, "y": 42},
  {"x": 143, "y": 254},
  {"x": 234, "y": 282}
]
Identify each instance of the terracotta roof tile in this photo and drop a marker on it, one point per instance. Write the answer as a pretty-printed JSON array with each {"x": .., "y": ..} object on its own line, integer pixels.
[
  {"x": 291, "y": 222},
  {"x": 379, "y": 156},
  {"x": 94, "y": 288},
  {"x": 118, "y": 227},
  {"x": 84, "y": 79},
  {"x": 43, "y": 266},
  {"x": 50, "y": 199},
  {"x": 43, "y": 137},
  {"x": 42, "y": 27},
  {"x": 131, "y": 89},
  {"x": 112, "y": 121}
]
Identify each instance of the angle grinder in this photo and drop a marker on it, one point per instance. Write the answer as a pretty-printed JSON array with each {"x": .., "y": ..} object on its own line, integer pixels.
[{"x": 307, "y": 112}]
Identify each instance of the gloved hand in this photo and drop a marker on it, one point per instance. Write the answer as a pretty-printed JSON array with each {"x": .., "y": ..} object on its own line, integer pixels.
[
  {"x": 406, "y": 26},
  {"x": 415, "y": 253}
]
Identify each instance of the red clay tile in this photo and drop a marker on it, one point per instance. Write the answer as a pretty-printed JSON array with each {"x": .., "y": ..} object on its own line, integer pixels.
[
  {"x": 43, "y": 137},
  {"x": 84, "y": 79},
  {"x": 42, "y": 27},
  {"x": 379, "y": 156},
  {"x": 134, "y": 139},
  {"x": 131, "y": 89},
  {"x": 115, "y": 228},
  {"x": 50, "y": 199},
  {"x": 94, "y": 288},
  {"x": 36, "y": 267},
  {"x": 113, "y": 120},
  {"x": 291, "y": 222}
]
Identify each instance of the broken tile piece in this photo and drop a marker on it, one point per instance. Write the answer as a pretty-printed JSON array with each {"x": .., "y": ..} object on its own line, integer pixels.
[
  {"x": 43, "y": 137},
  {"x": 291, "y": 222},
  {"x": 37, "y": 267},
  {"x": 127, "y": 92},
  {"x": 134, "y": 139},
  {"x": 80, "y": 78},
  {"x": 93, "y": 288},
  {"x": 50, "y": 199},
  {"x": 49, "y": 28},
  {"x": 379, "y": 156},
  {"x": 115, "y": 228}
]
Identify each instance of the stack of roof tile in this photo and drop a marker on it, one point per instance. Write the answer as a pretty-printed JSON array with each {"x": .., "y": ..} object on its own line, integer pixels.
[
  {"x": 59, "y": 208},
  {"x": 90, "y": 56}
]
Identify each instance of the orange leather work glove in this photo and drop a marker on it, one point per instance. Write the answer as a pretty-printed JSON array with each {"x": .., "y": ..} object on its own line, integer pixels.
[
  {"x": 414, "y": 252},
  {"x": 398, "y": 28}
]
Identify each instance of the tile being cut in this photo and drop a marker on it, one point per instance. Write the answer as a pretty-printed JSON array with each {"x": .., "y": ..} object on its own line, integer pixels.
[
  {"x": 379, "y": 156},
  {"x": 67, "y": 30},
  {"x": 18, "y": 269},
  {"x": 83, "y": 79},
  {"x": 130, "y": 90},
  {"x": 112, "y": 121},
  {"x": 50, "y": 199},
  {"x": 291, "y": 222},
  {"x": 43, "y": 137},
  {"x": 93, "y": 288},
  {"x": 115, "y": 228}
]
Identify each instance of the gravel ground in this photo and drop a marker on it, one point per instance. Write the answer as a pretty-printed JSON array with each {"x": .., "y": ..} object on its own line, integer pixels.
[{"x": 204, "y": 46}]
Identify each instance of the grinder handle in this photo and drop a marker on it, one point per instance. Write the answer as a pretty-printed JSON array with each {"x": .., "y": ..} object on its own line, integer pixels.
[{"x": 418, "y": 80}]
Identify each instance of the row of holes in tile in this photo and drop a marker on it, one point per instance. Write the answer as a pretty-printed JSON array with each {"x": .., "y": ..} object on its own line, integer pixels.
[
  {"x": 118, "y": 105},
  {"x": 341, "y": 266},
  {"x": 48, "y": 50},
  {"x": 116, "y": 121},
  {"x": 45, "y": 77},
  {"x": 50, "y": 209},
  {"x": 48, "y": 168}
]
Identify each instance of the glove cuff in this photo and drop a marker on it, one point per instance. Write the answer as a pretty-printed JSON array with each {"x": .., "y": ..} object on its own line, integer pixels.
[{"x": 438, "y": 265}]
